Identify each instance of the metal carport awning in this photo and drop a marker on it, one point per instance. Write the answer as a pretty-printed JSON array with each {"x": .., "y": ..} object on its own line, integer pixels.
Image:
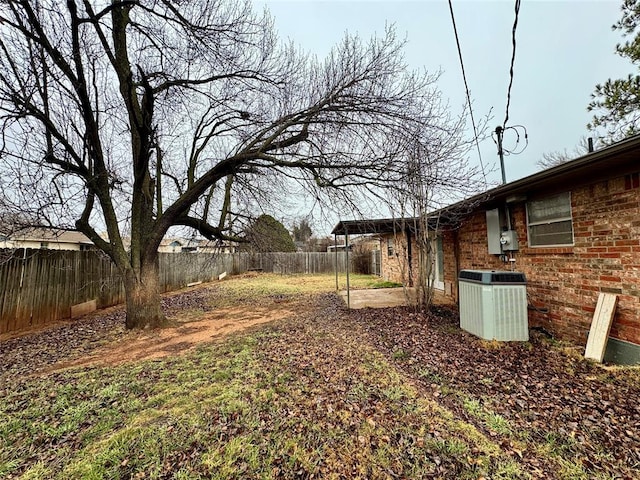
[{"x": 364, "y": 227}]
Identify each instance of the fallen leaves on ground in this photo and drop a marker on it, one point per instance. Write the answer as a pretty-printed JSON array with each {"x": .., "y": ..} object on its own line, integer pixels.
[
  {"x": 555, "y": 403},
  {"x": 324, "y": 393},
  {"x": 300, "y": 398}
]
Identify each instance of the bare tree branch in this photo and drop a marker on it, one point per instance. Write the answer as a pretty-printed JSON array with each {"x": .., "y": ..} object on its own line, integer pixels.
[{"x": 137, "y": 116}]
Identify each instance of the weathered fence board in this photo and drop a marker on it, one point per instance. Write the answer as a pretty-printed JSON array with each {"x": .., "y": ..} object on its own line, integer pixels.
[{"x": 40, "y": 286}]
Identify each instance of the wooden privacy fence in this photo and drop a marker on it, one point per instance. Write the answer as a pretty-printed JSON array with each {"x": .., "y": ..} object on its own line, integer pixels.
[
  {"x": 40, "y": 286},
  {"x": 292, "y": 263}
]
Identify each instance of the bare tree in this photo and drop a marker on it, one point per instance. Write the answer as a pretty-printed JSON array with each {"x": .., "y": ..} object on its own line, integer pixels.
[
  {"x": 437, "y": 175},
  {"x": 302, "y": 231},
  {"x": 553, "y": 159},
  {"x": 133, "y": 116}
]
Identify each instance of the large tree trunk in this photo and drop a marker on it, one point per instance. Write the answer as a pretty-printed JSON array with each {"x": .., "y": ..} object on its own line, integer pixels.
[{"x": 142, "y": 291}]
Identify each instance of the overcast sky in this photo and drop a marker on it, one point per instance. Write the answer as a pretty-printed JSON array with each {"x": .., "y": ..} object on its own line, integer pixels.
[{"x": 564, "y": 48}]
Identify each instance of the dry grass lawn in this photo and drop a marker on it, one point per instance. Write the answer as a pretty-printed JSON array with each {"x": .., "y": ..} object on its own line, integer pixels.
[{"x": 267, "y": 376}]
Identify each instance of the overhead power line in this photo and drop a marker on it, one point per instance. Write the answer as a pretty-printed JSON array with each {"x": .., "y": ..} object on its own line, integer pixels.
[
  {"x": 466, "y": 87},
  {"x": 513, "y": 60}
]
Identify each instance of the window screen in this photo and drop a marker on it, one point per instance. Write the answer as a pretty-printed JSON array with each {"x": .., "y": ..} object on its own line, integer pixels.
[{"x": 549, "y": 221}]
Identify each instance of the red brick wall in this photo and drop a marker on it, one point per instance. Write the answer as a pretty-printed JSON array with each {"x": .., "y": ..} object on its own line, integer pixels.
[
  {"x": 605, "y": 257},
  {"x": 395, "y": 268},
  {"x": 449, "y": 251}
]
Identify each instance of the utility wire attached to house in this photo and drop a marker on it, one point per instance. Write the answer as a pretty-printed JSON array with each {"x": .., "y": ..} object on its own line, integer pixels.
[
  {"x": 466, "y": 87},
  {"x": 521, "y": 136},
  {"x": 513, "y": 60},
  {"x": 500, "y": 130}
]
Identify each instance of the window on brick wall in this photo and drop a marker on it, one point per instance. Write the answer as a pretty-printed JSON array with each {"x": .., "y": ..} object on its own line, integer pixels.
[
  {"x": 549, "y": 221},
  {"x": 438, "y": 280},
  {"x": 389, "y": 247}
]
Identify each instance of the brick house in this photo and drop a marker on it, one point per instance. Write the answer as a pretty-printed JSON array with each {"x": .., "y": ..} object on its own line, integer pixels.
[{"x": 574, "y": 230}]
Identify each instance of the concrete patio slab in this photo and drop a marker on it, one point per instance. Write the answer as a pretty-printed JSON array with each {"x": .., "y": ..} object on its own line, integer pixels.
[
  {"x": 389, "y": 297},
  {"x": 380, "y": 297}
]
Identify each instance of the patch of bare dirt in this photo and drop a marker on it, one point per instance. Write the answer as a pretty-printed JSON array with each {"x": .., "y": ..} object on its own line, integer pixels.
[
  {"x": 100, "y": 338},
  {"x": 154, "y": 344}
]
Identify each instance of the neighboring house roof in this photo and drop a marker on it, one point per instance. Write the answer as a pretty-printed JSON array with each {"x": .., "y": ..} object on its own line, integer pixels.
[
  {"x": 193, "y": 244},
  {"x": 47, "y": 234},
  {"x": 331, "y": 248},
  {"x": 171, "y": 242},
  {"x": 216, "y": 244},
  {"x": 617, "y": 159}
]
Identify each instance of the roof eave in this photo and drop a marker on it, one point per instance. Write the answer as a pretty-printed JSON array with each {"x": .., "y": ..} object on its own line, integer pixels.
[{"x": 581, "y": 166}]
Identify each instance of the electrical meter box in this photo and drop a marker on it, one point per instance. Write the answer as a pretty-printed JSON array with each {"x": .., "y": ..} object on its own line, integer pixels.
[
  {"x": 509, "y": 241},
  {"x": 499, "y": 241}
]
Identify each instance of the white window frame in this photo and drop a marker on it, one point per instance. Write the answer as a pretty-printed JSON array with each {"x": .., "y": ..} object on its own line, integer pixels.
[
  {"x": 550, "y": 221},
  {"x": 438, "y": 258}
]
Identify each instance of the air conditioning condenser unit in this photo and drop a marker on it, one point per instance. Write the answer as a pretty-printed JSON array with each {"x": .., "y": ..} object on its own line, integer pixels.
[{"x": 493, "y": 304}]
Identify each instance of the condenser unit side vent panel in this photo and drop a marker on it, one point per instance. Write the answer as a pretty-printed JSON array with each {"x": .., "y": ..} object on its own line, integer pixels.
[
  {"x": 471, "y": 314},
  {"x": 510, "y": 310}
]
